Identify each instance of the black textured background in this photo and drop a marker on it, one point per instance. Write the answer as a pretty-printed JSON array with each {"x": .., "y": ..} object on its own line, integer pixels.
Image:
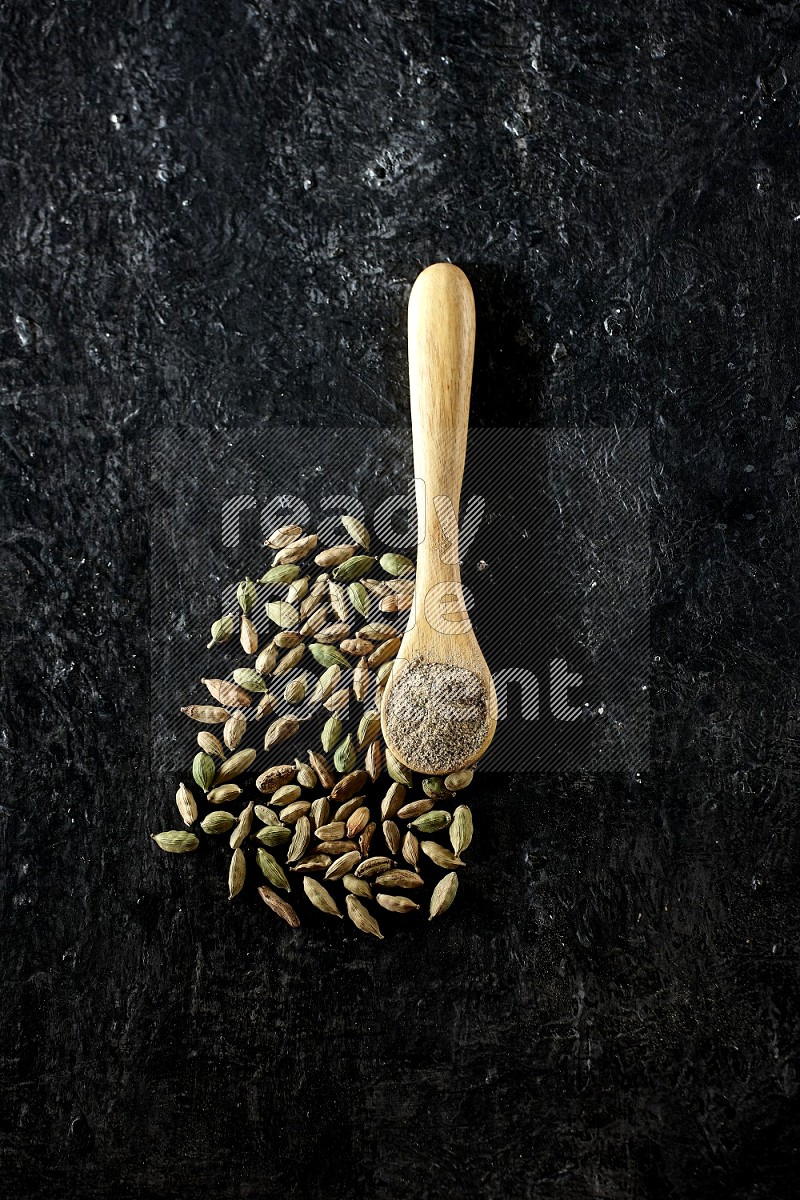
[{"x": 213, "y": 211}]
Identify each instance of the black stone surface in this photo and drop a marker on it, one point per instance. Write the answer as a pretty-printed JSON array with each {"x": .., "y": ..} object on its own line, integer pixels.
[{"x": 212, "y": 212}]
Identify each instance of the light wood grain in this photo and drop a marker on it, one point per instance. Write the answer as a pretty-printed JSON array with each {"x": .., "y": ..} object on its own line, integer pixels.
[{"x": 441, "y": 344}]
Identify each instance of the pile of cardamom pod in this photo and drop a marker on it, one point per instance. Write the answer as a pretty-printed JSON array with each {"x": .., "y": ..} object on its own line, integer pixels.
[{"x": 354, "y": 827}]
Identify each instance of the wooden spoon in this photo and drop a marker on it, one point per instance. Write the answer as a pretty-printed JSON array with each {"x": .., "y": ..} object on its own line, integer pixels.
[{"x": 441, "y": 343}]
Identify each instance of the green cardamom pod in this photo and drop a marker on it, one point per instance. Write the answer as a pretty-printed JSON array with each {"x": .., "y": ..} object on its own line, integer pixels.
[
  {"x": 435, "y": 788},
  {"x": 176, "y": 841},
  {"x": 353, "y": 568},
  {"x": 443, "y": 895},
  {"x": 271, "y": 869},
  {"x": 461, "y": 829},
  {"x": 246, "y": 595},
  {"x": 396, "y": 770},
  {"x": 203, "y": 770},
  {"x": 282, "y": 614},
  {"x": 328, "y": 656},
  {"x": 458, "y": 780},
  {"x": 397, "y": 564},
  {"x": 357, "y": 530},
  {"x": 218, "y": 822},
  {"x": 274, "y": 835},
  {"x": 368, "y": 728},
  {"x": 283, "y": 573},
  {"x": 331, "y": 733},
  {"x": 344, "y": 758},
  {"x": 432, "y": 822},
  {"x": 359, "y": 598},
  {"x": 221, "y": 631},
  {"x": 265, "y": 814},
  {"x": 384, "y": 671},
  {"x": 249, "y": 679}
]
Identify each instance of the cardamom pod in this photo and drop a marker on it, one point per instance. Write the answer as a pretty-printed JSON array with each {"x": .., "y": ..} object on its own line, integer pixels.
[
  {"x": 397, "y": 904},
  {"x": 283, "y": 573},
  {"x": 368, "y": 728},
  {"x": 306, "y": 775},
  {"x": 359, "y": 598},
  {"x": 300, "y": 841},
  {"x": 391, "y": 835},
  {"x": 333, "y": 831},
  {"x": 334, "y": 555},
  {"x": 265, "y": 815},
  {"x": 290, "y": 659},
  {"x": 320, "y": 764},
  {"x": 357, "y": 821},
  {"x": 265, "y": 706},
  {"x": 372, "y": 866},
  {"x": 280, "y": 729},
  {"x": 227, "y": 693},
  {"x": 335, "y": 849},
  {"x": 280, "y": 907},
  {"x": 236, "y": 873},
  {"x": 388, "y": 604},
  {"x": 294, "y": 811},
  {"x": 320, "y": 811},
  {"x": 234, "y": 730},
  {"x": 458, "y": 780},
  {"x": 249, "y": 679},
  {"x": 347, "y": 808},
  {"x": 221, "y": 631},
  {"x": 274, "y": 835},
  {"x": 218, "y": 822},
  {"x": 357, "y": 530},
  {"x": 329, "y": 635},
  {"x": 397, "y": 564},
  {"x": 187, "y": 806},
  {"x": 342, "y": 865},
  {"x": 416, "y": 808},
  {"x": 248, "y": 635},
  {"x": 246, "y": 594},
  {"x": 338, "y": 600},
  {"x": 441, "y": 855},
  {"x": 396, "y": 770},
  {"x": 356, "y": 647},
  {"x": 271, "y": 869},
  {"x": 399, "y": 879},
  {"x": 243, "y": 826},
  {"x": 374, "y": 761},
  {"x": 313, "y": 862},
  {"x": 315, "y": 621},
  {"x": 283, "y": 535},
  {"x": 210, "y": 744},
  {"x": 331, "y": 733},
  {"x": 385, "y": 652},
  {"x": 432, "y": 822},
  {"x": 295, "y": 691},
  {"x": 327, "y": 656},
  {"x": 443, "y": 895},
  {"x": 361, "y": 917},
  {"x": 326, "y": 683},
  {"x": 435, "y": 787},
  {"x": 357, "y": 887},
  {"x": 203, "y": 770},
  {"x": 393, "y": 801},
  {"x": 298, "y": 590},
  {"x": 296, "y": 550},
  {"x": 287, "y": 639},
  {"x": 377, "y": 587},
  {"x": 265, "y": 663},
  {"x": 206, "y": 714},
  {"x": 411, "y": 849},
  {"x": 344, "y": 757},
  {"x": 176, "y": 841},
  {"x": 365, "y": 841},
  {"x": 234, "y": 766},
  {"x": 353, "y": 568},
  {"x": 275, "y": 777},
  {"x": 320, "y": 897},
  {"x": 347, "y": 786},
  {"x": 282, "y": 614},
  {"x": 461, "y": 829},
  {"x": 361, "y": 679},
  {"x": 377, "y": 631},
  {"x": 221, "y": 795},
  {"x": 287, "y": 793},
  {"x": 338, "y": 700},
  {"x": 382, "y": 674}
]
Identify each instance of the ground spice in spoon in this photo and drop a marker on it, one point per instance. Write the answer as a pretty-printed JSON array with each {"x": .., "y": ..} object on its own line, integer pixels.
[{"x": 436, "y": 716}]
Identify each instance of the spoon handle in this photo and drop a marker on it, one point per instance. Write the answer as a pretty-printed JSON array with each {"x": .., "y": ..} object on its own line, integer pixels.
[{"x": 441, "y": 344}]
